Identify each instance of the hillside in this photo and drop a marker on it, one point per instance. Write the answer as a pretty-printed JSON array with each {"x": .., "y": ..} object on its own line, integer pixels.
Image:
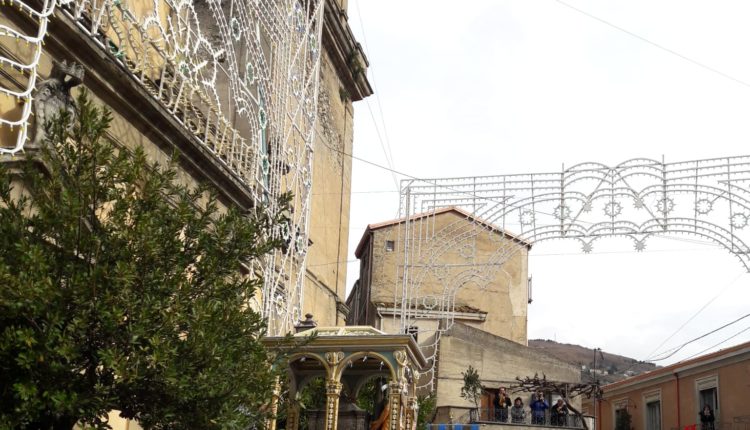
[{"x": 610, "y": 367}]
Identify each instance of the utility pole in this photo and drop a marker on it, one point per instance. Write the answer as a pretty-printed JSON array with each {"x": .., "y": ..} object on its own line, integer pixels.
[{"x": 596, "y": 392}]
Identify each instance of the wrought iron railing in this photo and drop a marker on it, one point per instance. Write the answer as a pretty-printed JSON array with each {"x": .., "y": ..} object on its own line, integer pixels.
[{"x": 492, "y": 415}]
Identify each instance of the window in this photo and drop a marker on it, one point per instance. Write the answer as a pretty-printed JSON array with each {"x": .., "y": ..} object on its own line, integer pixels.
[
  {"x": 414, "y": 332},
  {"x": 390, "y": 245},
  {"x": 653, "y": 415},
  {"x": 708, "y": 397},
  {"x": 622, "y": 418},
  {"x": 653, "y": 410},
  {"x": 707, "y": 390}
]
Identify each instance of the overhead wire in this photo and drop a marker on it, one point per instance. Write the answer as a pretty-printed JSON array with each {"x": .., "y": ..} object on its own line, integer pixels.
[
  {"x": 717, "y": 344},
  {"x": 385, "y": 145},
  {"x": 375, "y": 84},
  {"x": 358, "y": 192},
  {"x": 654, "y": 44},
  {"x": 692, "y": 317},
  {"x": 550, "y": 254},
  {"x": 677, "y": 349}
]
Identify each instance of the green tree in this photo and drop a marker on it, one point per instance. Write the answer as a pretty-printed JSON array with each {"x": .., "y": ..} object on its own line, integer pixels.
[
  {"x": 121, "y": 289},
  {"x": 472, "y": 388},
  {"x": 426, "y": 410}
]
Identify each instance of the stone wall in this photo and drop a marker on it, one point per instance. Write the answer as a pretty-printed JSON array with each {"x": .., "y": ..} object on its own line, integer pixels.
[
  {"x": 498, "y": 361},
  {"x": 325, "y": 284},
  {"x": 500, "y": 292}
]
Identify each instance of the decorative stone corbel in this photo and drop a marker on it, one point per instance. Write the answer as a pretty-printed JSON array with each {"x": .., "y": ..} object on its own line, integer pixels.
[
  {"x": 334, "y": 358},
  {"x": 53, "y": 96}
]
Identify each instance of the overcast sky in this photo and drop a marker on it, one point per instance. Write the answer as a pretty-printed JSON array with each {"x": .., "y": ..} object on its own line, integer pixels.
[{"x": 520, "y": 86}]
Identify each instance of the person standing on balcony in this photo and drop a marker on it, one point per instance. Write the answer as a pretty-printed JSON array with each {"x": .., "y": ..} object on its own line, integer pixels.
[
  {"x": 502, "y": 403},
  {"x": 538, "y": 408},
  {"x": 517, "y": 413},
  {"x": 559, "y": 414},
  {"x": 707, "y": 418}
]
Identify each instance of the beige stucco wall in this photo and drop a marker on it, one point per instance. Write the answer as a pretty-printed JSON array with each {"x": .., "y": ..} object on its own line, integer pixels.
[
  {"x": 325, "y": 284},
  {"x": 498, "y": 362},
  {"x": 458, "y": 259}
]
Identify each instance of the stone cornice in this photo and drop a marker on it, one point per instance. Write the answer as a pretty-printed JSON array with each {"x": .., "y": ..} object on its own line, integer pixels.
[{"x": 346, "y": 54}]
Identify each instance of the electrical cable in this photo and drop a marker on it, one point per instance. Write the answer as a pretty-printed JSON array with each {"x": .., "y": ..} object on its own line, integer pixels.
[
  {"x": 552, "y": 254},
  {"x": 358, "y": 192},
  {"x": 662, "y": 47},
  {"x": 677, "y": 349},
  {"x": 651, "y": 355},
  {"x": 387, "y": 145},
  {"x": 718, "y": 344},
  {"x": 371, "y": 69}
]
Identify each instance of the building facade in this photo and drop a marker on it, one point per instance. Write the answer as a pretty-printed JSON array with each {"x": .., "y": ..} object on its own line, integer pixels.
[
  {"x": 499, "y": 305},
  {"x": 481, "y": 323},
  {"x": 256, "y": 97},
  {"x": 671, "y": 397}
]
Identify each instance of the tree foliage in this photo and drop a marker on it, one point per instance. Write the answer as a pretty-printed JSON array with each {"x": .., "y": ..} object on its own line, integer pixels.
[
  {"x": 121, "y": 289},
  {"x": 426, "y": 411},
  {"x": 472, "y": 388}
]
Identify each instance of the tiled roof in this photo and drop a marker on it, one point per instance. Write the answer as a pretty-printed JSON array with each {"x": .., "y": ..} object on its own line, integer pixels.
[{"x": 667, "y": 370}]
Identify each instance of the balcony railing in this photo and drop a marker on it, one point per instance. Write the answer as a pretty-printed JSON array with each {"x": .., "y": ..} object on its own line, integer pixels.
[
  {"x": 736, "y": 423},
  {"x": 491, "y": 415}
]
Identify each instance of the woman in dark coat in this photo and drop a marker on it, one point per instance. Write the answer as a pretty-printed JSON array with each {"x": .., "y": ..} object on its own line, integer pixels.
[
  {"x": 559, "y": 414},
  {"x": 707, "y": 418},
  {"x": 502, "y": 403}
]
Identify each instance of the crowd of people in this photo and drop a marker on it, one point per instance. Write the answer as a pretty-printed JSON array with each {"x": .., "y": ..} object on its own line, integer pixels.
[{"x": 558, "y": 413}]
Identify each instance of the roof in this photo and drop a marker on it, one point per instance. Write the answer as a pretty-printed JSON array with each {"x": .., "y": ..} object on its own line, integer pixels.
[
  {"x": 350, "y": 338},
  {"x": 681, "y": 366},
  {"x": 454, "y": 209}
]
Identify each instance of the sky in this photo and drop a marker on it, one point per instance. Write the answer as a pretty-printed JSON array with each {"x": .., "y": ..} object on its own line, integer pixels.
[{"x": 520, "y": 86}]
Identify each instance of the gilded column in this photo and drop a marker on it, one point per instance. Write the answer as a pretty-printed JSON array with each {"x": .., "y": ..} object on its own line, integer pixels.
[
  {"x": 411, "y": 413},
  {"x": 271, "y": 422},
  {"x": 333, "y": 390},
  {"x": 292, "y": 416},
  {"x": 395, "y": 402}
]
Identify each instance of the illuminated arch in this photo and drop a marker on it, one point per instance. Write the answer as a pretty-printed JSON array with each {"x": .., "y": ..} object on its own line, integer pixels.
[{"x": 637, "y": 199}]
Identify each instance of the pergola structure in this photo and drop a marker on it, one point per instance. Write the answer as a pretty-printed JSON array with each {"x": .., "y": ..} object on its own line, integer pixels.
[{"x": 348, "y": 357}]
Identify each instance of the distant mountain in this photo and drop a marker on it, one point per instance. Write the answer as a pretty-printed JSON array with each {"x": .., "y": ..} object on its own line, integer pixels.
[{"x": 609, "y": 367}]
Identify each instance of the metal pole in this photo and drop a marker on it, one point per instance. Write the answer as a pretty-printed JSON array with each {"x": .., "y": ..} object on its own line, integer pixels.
[{"x": 596, "y": 392}]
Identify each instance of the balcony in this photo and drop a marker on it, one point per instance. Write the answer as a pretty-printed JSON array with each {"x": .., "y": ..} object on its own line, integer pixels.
[{"x": 485, "y": 418}]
